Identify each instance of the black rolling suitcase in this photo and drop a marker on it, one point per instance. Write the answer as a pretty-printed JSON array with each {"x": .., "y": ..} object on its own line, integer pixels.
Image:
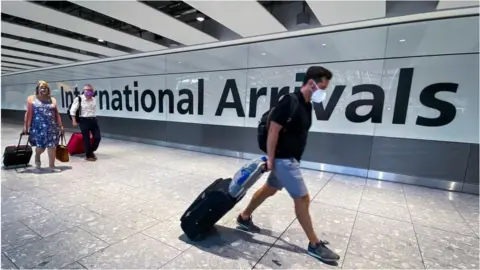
[
  {"x": 209, "y": 207},
  {"x": 17, "y": 155}
]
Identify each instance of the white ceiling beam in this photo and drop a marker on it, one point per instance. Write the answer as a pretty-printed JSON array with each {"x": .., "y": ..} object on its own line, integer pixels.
[
  {"x": 20, "y": 66},
  {"x": 34, "y": 56},
  {"x": 150, "y": 19},
  {"x": 246, "y": 18},
  {"x": 23, "y": 61},
  {"x": 44, "y": 49},
  {"x": 449, "y": 4},
  {"x": 27, "y": 32},
  {"x": 48, "y": 16},
  {"x": 337, "y": 12},
  {"x": 10, "y": 69}
]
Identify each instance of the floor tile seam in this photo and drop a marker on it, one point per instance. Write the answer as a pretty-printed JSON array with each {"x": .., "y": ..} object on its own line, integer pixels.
[
  {"x": 81, "y": 264},
  {"x": 109, "y": 218},
  {"x": 444, "y": 264},
  {"x": 180, "y": 254},
  {"x": 354, "y": 222},
  {"x": 80, "y": 228},
  {"x": 342, "y": 207},
  {"x": 88, "y": 255},
  {"x": 157, "y": 240},
  {"x": 55, "y": 214},
  {"x": 10, "y": 260},
  {"x": 429, "y": 209},
  {"x": 415, "y": 232},
  {"x": 113, "y": 221},
  {"x": 383, "y": 202},
  {"x": 39, "y": 239},
  {"x": 370, "y": 259},
  {"x": 363, "y": 212},
  {"x": 443, "y": 230},
  {"x": 464, "y": 219},
  {"x": 291, "y": 223}
]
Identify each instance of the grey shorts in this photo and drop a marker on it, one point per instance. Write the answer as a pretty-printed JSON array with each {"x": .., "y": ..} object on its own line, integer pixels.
[{"x": 286, "y": 174}]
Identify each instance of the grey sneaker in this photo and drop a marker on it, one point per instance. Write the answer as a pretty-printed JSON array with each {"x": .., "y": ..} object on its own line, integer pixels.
[
  {"x": 247, "y": 224},
  {"x": 322, "y": 252}
]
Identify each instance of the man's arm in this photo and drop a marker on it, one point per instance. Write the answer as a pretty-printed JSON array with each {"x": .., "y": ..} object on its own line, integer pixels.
[
  {"x": 272, "y": 139},
  {"x": 74, "y": 109},
  {"x": 278, "y": 119}
]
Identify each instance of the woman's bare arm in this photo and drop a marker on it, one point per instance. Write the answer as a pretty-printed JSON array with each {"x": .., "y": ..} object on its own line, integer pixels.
[{"x": 28, "y": 114}]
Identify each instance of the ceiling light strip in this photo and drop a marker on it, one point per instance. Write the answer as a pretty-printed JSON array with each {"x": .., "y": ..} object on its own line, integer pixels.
[{"x": 321, "y": 30}]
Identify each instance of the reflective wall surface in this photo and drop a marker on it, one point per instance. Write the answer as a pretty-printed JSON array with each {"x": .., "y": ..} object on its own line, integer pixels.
[{"x": 403, "y": 102}]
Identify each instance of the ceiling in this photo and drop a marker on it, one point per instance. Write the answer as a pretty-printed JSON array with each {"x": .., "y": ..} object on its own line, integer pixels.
[{"x": 39, "y": 34}]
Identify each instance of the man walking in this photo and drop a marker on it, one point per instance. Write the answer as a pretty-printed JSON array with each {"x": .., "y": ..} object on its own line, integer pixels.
[
  {"x": 87, "y": 120},
  {"x": 286, "y": 141}
]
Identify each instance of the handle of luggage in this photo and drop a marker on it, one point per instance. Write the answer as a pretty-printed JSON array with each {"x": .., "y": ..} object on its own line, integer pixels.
[{"x": 20, "y": 139}]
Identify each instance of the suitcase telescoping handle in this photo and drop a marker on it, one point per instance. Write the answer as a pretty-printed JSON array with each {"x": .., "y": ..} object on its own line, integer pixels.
[{"x": 20, "y": 139}]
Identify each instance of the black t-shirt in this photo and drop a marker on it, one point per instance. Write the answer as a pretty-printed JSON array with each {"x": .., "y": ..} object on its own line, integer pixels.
[{"x": 293, "y": 137}]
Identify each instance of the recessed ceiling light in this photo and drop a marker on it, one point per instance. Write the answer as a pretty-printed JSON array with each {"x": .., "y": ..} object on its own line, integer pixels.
[
  {"x": 263, "y": 53},
  {"x": 324, "y": 44},
  {"x": 200, "y": 18},
  {"x": 401, "y": 40}
]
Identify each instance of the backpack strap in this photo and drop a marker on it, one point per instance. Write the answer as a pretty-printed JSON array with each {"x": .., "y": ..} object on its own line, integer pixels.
[{"x": 293, "y": 107}]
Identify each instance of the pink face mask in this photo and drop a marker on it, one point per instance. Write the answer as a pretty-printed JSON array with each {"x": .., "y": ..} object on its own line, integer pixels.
[{"x": 89, "y": 93}]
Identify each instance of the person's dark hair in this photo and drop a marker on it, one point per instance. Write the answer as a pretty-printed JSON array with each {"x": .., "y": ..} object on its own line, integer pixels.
[{"x": 317, "y": 73}]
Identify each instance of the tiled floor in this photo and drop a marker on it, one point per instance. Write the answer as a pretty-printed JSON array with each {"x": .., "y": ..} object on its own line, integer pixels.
[{"x": 123, "y": 212}]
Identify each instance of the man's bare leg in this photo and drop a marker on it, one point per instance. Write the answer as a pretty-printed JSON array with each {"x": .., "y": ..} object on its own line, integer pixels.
[
  {"x": 316, "y": 248},
  {"x": 303, "y": 215},
  {"x": 244, "y": 219}
]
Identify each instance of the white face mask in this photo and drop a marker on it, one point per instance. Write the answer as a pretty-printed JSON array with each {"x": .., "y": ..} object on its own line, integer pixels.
[{"x": 319, "y": 95}]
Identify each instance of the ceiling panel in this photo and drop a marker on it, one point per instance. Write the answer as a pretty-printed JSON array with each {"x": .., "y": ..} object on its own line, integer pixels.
[
  {"x": 34, "y": 56},
  {"x": 48, "y": 16},
  {"x": 15, "y": 29},
  {"x": 23, "y": 61},
  {"x": 20, "y": 66},
  {"x": 246, "y": 18},
  {"x": 10, "y": 69},
  {"x": 447, "y": 4},
  {"x": 336, "y": 12},
  {"x": 44, "y": 49},
  {"x": 151, "y": 20}
]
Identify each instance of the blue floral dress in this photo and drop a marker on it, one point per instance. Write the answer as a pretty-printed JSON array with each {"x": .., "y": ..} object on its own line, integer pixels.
[{"x": 44, "y": 131}]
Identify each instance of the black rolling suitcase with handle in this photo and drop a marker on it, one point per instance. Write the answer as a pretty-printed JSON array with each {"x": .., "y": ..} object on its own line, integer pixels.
[
  {"x": 209, "y": 207},
  {"x": 17, "y": 155}
]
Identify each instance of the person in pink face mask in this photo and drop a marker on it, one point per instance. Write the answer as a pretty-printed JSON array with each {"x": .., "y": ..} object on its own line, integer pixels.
[{"x": 87, "y": 120}]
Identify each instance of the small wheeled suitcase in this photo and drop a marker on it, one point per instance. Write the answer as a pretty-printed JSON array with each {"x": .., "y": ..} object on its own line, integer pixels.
[
  {"x": 17, "y": 155},
  {"x": 217, "y": 199},
  {"x": 209, "y": 207},
  {"x": 75, "y": 144}
]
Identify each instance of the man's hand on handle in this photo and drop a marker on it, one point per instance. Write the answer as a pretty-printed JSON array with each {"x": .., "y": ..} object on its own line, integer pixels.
[{"x": 269, "y": 165}]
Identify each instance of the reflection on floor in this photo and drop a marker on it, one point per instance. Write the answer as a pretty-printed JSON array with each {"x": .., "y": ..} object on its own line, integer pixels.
[{"x": 123, "y": 212}]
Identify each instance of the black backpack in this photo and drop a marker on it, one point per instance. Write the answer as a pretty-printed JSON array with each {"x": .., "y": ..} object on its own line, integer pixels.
[
  {"x": 264, "y": 123},
  {"x": 77, "y": 113}
]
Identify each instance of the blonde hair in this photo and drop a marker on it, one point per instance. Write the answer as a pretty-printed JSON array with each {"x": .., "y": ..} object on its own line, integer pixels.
[{"x": 42, "y": 84}]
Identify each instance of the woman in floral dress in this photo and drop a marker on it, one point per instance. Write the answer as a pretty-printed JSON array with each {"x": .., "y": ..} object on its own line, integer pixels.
[{"x": 43, "y": 123}]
